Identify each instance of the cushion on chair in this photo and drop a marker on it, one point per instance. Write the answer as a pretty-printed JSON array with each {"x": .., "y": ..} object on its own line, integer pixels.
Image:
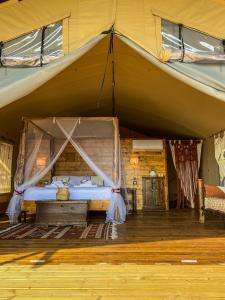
[{"x": 212, "y": 191}]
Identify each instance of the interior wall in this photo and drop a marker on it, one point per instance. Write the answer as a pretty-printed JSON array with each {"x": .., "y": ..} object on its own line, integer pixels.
[
  {"x": 209, "y": 170},
  {"x": 71, "y": 163},
  {"x": 146, "y": 161}
]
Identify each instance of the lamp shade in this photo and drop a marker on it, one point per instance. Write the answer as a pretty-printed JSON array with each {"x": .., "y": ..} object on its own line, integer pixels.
[{"x": 134, "y": 161}]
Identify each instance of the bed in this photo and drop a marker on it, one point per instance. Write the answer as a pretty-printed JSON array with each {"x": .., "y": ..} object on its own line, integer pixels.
[
  {"x": 76, "y": 193},
  {"x": 94, "y": 191},
  {"x": 214, "y": 198},
  {"x": 211, "y": 199}
]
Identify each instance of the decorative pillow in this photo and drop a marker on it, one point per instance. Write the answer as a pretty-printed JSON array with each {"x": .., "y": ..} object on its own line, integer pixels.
[
  {"x": 64, "y": 179},
  {"x": 212, "y": 191},
  {"x": 63, "y": 194},
  {"x": 76, "y": 180},
  {"x": 58, "y": 184}
]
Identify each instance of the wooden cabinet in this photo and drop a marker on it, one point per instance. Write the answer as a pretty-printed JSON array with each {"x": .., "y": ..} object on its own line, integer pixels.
[{"x": 153, "y": 193}]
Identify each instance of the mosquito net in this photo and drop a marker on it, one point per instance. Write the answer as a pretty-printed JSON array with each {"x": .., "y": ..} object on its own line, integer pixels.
[{"x": 43, "y": 141}]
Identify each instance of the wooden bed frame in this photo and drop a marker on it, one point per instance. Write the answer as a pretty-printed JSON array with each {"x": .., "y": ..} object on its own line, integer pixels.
[{"x": 201, "y": 204}]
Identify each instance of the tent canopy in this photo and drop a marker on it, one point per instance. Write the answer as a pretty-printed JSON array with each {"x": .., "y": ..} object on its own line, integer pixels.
[{"x": 159, "y": 99}]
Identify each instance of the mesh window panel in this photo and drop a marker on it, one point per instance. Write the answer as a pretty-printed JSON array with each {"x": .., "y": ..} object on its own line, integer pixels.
[
  {"x": 198, "y": 47},
  {"x": 25, "y": 51},
  {"x": 198, "y": 42},
  {"x": 170, "y": 36},
  {"x": 53, "y": 42}
]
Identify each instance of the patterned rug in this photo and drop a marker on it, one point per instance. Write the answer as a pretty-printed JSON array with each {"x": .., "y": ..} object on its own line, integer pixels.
[{"x": 31, "y": 231}]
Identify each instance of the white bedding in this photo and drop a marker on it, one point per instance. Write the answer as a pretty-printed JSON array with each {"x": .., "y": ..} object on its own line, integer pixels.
[{"x": 76, "y": 193}]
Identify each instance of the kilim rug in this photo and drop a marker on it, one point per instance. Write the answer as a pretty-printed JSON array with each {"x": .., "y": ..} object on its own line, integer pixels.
[{"x": 31, "y": 231}]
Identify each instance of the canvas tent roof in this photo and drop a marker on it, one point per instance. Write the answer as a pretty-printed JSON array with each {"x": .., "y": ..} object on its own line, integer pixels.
[{"x": 150, "y": 96}]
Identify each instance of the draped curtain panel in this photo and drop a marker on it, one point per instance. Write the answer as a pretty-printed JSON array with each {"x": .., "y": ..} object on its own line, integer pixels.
[
  {"x": 186, "y": 157},
  {"x": 219, "y": 142}
]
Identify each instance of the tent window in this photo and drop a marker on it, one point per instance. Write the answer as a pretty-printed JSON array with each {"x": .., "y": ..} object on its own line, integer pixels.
[
  {"x": 188, "y": 45},
  {"x": 6, "y": 151},
  {"x": 38, "y": 47}
]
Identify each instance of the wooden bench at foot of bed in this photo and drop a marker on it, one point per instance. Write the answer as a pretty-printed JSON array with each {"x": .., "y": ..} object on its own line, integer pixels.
[
  {"x": 93, "y": 205},
  {"x": 61, "y": 213}
]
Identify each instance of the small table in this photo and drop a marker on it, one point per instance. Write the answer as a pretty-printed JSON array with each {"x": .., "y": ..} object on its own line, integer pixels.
[{"x": 61, "y": 213}]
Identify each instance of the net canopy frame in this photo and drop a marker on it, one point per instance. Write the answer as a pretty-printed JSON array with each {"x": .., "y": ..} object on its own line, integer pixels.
[{"x": 42, "y": 142}]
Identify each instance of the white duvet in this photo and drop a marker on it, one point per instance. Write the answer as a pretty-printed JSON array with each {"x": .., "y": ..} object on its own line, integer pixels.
[{"x": 76, "y": 193}]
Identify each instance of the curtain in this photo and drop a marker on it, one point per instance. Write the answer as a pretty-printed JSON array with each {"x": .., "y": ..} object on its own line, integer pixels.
[
  {"x": 219, "y": 142},
  {"x": 186, "y": 158},
  {"x": 117, "y": 209},
  {"x": 29, "y": 172},
  {"x": 89, "y": 137}
]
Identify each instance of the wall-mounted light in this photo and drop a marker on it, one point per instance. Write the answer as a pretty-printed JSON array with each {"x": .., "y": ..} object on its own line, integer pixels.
[{"x": 134, "y": 161}]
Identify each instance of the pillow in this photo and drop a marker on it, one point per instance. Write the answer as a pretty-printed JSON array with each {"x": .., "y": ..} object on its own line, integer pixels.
[
  {"x": 61, "y": 178},
  {"x": 212, "y": 191},
  {"x": 97, "y": 180},
  {"x": 57, "y": 184},
  {"x": 76, "y": 180}
]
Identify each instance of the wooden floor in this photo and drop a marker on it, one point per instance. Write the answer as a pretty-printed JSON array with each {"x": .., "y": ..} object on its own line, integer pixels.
[{"x": 161, "y": 255}]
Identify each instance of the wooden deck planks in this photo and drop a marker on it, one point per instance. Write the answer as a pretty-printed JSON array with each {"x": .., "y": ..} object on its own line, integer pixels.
[
  {"x": 144, "y": 239},
  {"x": 112, "y": 282},
  {"x": 143, "y": 263}
]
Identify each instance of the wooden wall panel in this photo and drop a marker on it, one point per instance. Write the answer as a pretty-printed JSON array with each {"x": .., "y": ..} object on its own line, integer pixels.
[
  {"x": 147, "y": 160},
  {"x": 71, "y": 163}
]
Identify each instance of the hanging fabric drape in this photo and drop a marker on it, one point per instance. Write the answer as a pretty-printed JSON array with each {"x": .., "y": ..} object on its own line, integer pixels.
[
  {"x": 43, "y": 141},
  {"x": 186, "y": 158},
  {"x": 113, "y": 181},
  {"x": 219, "y": 142},
  {"x": 30, "y": 167}
]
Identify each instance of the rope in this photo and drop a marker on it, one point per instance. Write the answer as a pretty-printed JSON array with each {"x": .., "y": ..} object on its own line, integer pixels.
[
  {"x": 113, "y": 72},
  {"x": 104, "y": 76},
  {"x": 42, "y": 45},
  {"x": 182, "y": 47},
  {"x": 1, "y": 48},
  {"x": 110, "y": 53}
]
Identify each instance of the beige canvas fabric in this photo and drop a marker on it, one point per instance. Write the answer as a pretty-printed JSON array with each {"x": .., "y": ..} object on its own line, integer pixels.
[{"x": 150, "y": 95}]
